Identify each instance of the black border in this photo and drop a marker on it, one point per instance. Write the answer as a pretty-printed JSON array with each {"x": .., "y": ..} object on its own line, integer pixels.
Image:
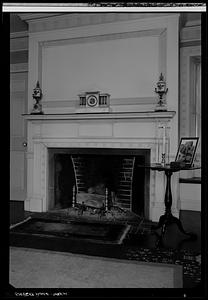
[{"x": 10, "y": 292}]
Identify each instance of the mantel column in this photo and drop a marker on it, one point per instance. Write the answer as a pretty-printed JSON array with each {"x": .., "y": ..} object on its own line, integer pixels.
[{"x": 37, "y": 192}]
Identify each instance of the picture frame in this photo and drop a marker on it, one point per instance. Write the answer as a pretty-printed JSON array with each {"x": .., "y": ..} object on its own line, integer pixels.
[{"x": 186, "y": 150}]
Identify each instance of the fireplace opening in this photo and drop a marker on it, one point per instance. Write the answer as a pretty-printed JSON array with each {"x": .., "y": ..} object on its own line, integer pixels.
[{"x": 91, "y": 174}]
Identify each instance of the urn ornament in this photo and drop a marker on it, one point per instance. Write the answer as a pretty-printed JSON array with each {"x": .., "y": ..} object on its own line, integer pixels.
[
  {"x": 37, "y": 95},
  {"x": 161, "y": 90}
]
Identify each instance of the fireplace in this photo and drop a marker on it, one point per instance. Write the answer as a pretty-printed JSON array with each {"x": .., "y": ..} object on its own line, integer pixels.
[
  {"x": 108, "y": 140},
  {"x": 88, "y": 173}
]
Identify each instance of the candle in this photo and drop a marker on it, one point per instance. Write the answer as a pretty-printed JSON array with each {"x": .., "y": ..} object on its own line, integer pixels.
[{"x": 164, "y": 142}]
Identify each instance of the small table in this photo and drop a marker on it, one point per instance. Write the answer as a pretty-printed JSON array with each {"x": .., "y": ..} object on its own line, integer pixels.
[{"x": 168, "y": 218}]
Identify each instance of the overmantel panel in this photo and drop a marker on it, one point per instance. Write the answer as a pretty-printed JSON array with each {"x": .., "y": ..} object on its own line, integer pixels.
[
  {"x": 113, "y": 66},
  {"x": 156, "y": 26}
]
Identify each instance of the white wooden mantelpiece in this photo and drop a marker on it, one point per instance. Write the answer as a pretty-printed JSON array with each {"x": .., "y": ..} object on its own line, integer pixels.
[
  {"x": 125, "y": 115},
  {"x": 135, "y": 130}
]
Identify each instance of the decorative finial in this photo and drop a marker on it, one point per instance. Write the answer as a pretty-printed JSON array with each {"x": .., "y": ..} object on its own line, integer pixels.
[
  {"x": 161, "y": 90},
  {"x": 161, "y": 77},
  {"x": 37, "y": 95}
]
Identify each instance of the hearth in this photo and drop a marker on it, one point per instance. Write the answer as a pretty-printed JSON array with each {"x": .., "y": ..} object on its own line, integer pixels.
[
  {"x": 94, "y": 176},
  {"x": 74, "y": 230}
]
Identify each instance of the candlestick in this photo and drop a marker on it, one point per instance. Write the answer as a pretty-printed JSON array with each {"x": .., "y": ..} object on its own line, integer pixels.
[
  {"x": 163, "y": 144},
  {"x": 163, "y": 159}
]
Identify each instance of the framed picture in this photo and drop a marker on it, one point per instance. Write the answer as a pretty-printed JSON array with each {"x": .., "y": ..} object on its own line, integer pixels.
[{"x": 186, "y": 150}]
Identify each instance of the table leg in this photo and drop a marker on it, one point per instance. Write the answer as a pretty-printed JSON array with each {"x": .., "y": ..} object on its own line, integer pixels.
[{"x": 168, "y": 218}]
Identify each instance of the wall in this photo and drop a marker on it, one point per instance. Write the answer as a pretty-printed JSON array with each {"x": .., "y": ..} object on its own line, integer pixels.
[
  {"x": 18, "y": 106},
  {"x": 190, "y": 48}
]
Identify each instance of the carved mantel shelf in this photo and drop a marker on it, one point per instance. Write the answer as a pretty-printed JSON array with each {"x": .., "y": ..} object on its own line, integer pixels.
[{"x": 151, "y": 115}]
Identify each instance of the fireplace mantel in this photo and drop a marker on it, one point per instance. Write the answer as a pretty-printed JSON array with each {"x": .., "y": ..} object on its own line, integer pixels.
[
  {"x": 151, "y": 115},
  {"x": 112, "y": 130}
]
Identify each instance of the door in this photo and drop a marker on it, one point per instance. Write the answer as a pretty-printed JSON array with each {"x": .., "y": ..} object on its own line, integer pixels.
[{"x": 18, "y": 136}]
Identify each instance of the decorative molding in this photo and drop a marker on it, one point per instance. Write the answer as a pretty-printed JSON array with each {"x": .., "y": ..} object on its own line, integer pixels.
[
  {"x": 47, "y": 22},
  {"x": 190, "y": 43},
  {"x": 151, "y": 115},
  {"x": 119, "y": 143},
  {"x": 17, "y": 68},
  {"x": 104, "y": 37},
  {"x": 19, "y": 44},
  {"x": 17, "y": 57},
  {"x": 31, "y": 16},
  {"x": 106, "y": 28},
  {"x": 185, "y": 54},
  {"x": 19, "y": 34},
  {"x": 40, "y": 59},
  {"x": 189, "y": 34},
  {"x": 157, "y": 32},
  {"x": 193, "y": 23}
]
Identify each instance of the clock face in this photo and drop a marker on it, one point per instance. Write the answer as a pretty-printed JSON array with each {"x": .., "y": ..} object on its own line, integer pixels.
[{"x": 92, "y": 100}]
